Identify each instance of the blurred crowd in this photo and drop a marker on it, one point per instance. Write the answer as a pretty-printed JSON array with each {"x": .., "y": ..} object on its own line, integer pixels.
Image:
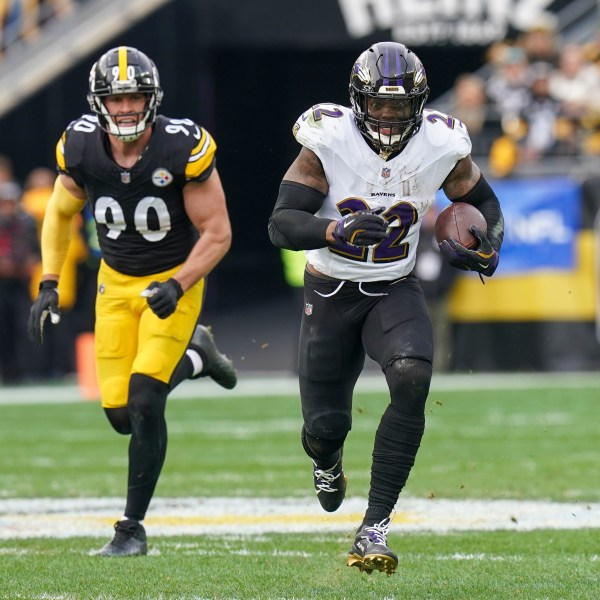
[
  {"x": 22, "y": 20},
  {"x": 536, "y": 97},
  {"x": 22, "y": 209}
]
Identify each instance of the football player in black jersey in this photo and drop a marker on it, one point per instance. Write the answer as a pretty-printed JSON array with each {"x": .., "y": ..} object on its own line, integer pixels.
[{"x": 163, "y": 225}]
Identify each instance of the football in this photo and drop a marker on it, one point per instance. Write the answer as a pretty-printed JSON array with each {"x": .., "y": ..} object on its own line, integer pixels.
[{"x": 454, "y": 221}]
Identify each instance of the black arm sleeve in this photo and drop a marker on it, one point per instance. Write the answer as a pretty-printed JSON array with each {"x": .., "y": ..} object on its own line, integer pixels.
[
  {"x": 482, "y": 196},
  {"x": 293, "y": 224}
]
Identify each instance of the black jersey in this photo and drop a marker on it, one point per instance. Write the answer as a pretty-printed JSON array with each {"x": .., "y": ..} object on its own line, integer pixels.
[{"x": 139, "y": 212}]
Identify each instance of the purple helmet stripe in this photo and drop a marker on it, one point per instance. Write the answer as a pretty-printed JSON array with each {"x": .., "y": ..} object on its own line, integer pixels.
[
  {"x": 386, "y": 65},
  {"x": 399, "y": 68}
]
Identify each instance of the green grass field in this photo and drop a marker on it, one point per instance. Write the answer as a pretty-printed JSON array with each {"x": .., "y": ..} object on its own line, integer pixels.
[{"x": 541, "y": 442}]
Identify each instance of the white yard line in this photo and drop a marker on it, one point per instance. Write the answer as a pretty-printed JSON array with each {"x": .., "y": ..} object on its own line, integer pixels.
[
  {"x": 275, "y": 384},
  {"x": 63, "y": 518}
]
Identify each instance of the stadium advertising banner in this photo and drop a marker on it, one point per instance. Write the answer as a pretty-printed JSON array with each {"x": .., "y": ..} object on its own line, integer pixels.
[
  {"x": 444, "y": 22},
  {"x": 542, "y": 220},
  {"x": 422, "y": 23},
  {"x": 546, "y": 269}
]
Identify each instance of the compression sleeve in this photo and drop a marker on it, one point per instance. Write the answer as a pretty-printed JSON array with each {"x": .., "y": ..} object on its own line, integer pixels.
[
  {"x": 56, "y": 230},
  {"x": 483, "y": 197},
  {"x": 293, "y": 224}
]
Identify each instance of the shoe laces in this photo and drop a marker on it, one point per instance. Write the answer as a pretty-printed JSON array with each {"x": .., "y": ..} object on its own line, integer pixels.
[
  {"x": 378, "y": 533},
  {"x": 325, "y": 478}
]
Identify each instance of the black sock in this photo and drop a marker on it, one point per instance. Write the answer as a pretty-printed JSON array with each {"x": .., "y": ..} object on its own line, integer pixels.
[
  {"x": 397, "y": 441},
  {"x": 184, "y": 370}
]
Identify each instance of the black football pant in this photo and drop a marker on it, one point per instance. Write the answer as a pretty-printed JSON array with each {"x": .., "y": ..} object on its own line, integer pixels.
[{"x": 389, "y": 322}]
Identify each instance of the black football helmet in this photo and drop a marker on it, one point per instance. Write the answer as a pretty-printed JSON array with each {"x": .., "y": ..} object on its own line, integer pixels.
[
  {"x": 124, "y": 70},
  {"x": 388, "y": 70}
]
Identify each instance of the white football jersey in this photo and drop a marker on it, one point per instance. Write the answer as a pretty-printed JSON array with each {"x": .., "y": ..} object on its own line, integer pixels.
[{"x": 359, "y": 179}]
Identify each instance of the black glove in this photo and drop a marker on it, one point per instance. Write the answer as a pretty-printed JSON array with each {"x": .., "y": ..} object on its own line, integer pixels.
[
  {"x": 362, "y": 228},
  {"x": 163, "y": 297},
  {"x": 46, "y": 304},
  {"x": 483, "y": 260}
]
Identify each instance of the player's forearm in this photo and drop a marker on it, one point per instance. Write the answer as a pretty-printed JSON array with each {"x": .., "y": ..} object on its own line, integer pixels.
[
  {"x": 207, "y": 253},
  {"x": 483, "y": 197},
  {"x": 56, "y": 230},
  {"x": 293, "y": 224},
  {"x": 56, "y": 237}
]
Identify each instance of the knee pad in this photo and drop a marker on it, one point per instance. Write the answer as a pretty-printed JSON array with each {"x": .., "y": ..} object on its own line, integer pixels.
[
  {"x": 147, "y": 397},
  {"x": 319, "y": 448},
  {"x": 119, "y": 419},
  {"x": 409, "y": 380},
  {"x": 329, "y": 425}
]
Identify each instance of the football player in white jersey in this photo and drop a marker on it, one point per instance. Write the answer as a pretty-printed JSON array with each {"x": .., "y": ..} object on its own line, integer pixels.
[
  {"x": 354, "y": 199},
  {"x": 152, "y": 186}
]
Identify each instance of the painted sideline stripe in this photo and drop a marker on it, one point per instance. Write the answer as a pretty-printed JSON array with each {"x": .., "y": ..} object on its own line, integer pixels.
[
  {"x": 274, "y": 384},
  {"x": 64, "y": 518}
]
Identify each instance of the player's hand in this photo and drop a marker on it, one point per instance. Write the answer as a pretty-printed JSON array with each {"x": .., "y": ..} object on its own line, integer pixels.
[
  {"x": 361, "y": 228},
  {"x": 484, "y": 260},
  {"x": 162, "y": 297},
  {"x": 46, "y": 304}
]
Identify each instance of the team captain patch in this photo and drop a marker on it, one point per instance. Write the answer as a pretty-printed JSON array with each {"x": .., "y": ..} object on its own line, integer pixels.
[{"x": 161, "y": 178}]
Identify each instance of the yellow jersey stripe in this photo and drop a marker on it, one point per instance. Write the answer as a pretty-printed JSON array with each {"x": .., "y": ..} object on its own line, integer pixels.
[
  {"x": 122, "y": 63},
  {"x": 201, "y": 156},
  {"x": 60, "y": 152}
]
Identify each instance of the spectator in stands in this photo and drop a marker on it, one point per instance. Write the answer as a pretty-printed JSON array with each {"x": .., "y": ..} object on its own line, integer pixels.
[
  {"x": 21, "y": 20},
  {"x": 576, "y": 82},
  {"x": 590, "y": 136},
  {"x": 9, "y": 16},
  {"x": 7, "y": 171},
  {"x": 507, "y": 86},
  {"x": 53, "y": 9},
  {"x": 39, "y": 184},
  {"x": 550, "y": 131},
  {"x": 540, "y": 41},
  {"x": 470, "y": 105},
  {"x": 56, "y": 358},
  {"x": 19, "y": 252}
]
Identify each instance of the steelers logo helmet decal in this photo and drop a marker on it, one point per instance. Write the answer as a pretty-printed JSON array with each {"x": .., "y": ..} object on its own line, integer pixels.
[{"x": 161, "y": 177}]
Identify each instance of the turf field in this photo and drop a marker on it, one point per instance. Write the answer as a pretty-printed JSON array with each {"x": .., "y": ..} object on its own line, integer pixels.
[{"x": 504, "y": 501}]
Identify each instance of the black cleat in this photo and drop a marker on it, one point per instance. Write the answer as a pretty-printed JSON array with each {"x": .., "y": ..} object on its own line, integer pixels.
[
  {"x": 330, "y": 485},
  {"x": 217, "y": 366},
  {"x": 129, "y": 540},
  {"x": 370, "y": 552}
]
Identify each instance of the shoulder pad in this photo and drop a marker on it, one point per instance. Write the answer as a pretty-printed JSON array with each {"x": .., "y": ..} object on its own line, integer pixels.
[
  {"x": 202, "y": 156},
  {"x": 186, "y": 136},
  {"x": 443, "y": 129},
  {"x": 69, "y": 148},
  {"x": 317, "y": 126}
]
